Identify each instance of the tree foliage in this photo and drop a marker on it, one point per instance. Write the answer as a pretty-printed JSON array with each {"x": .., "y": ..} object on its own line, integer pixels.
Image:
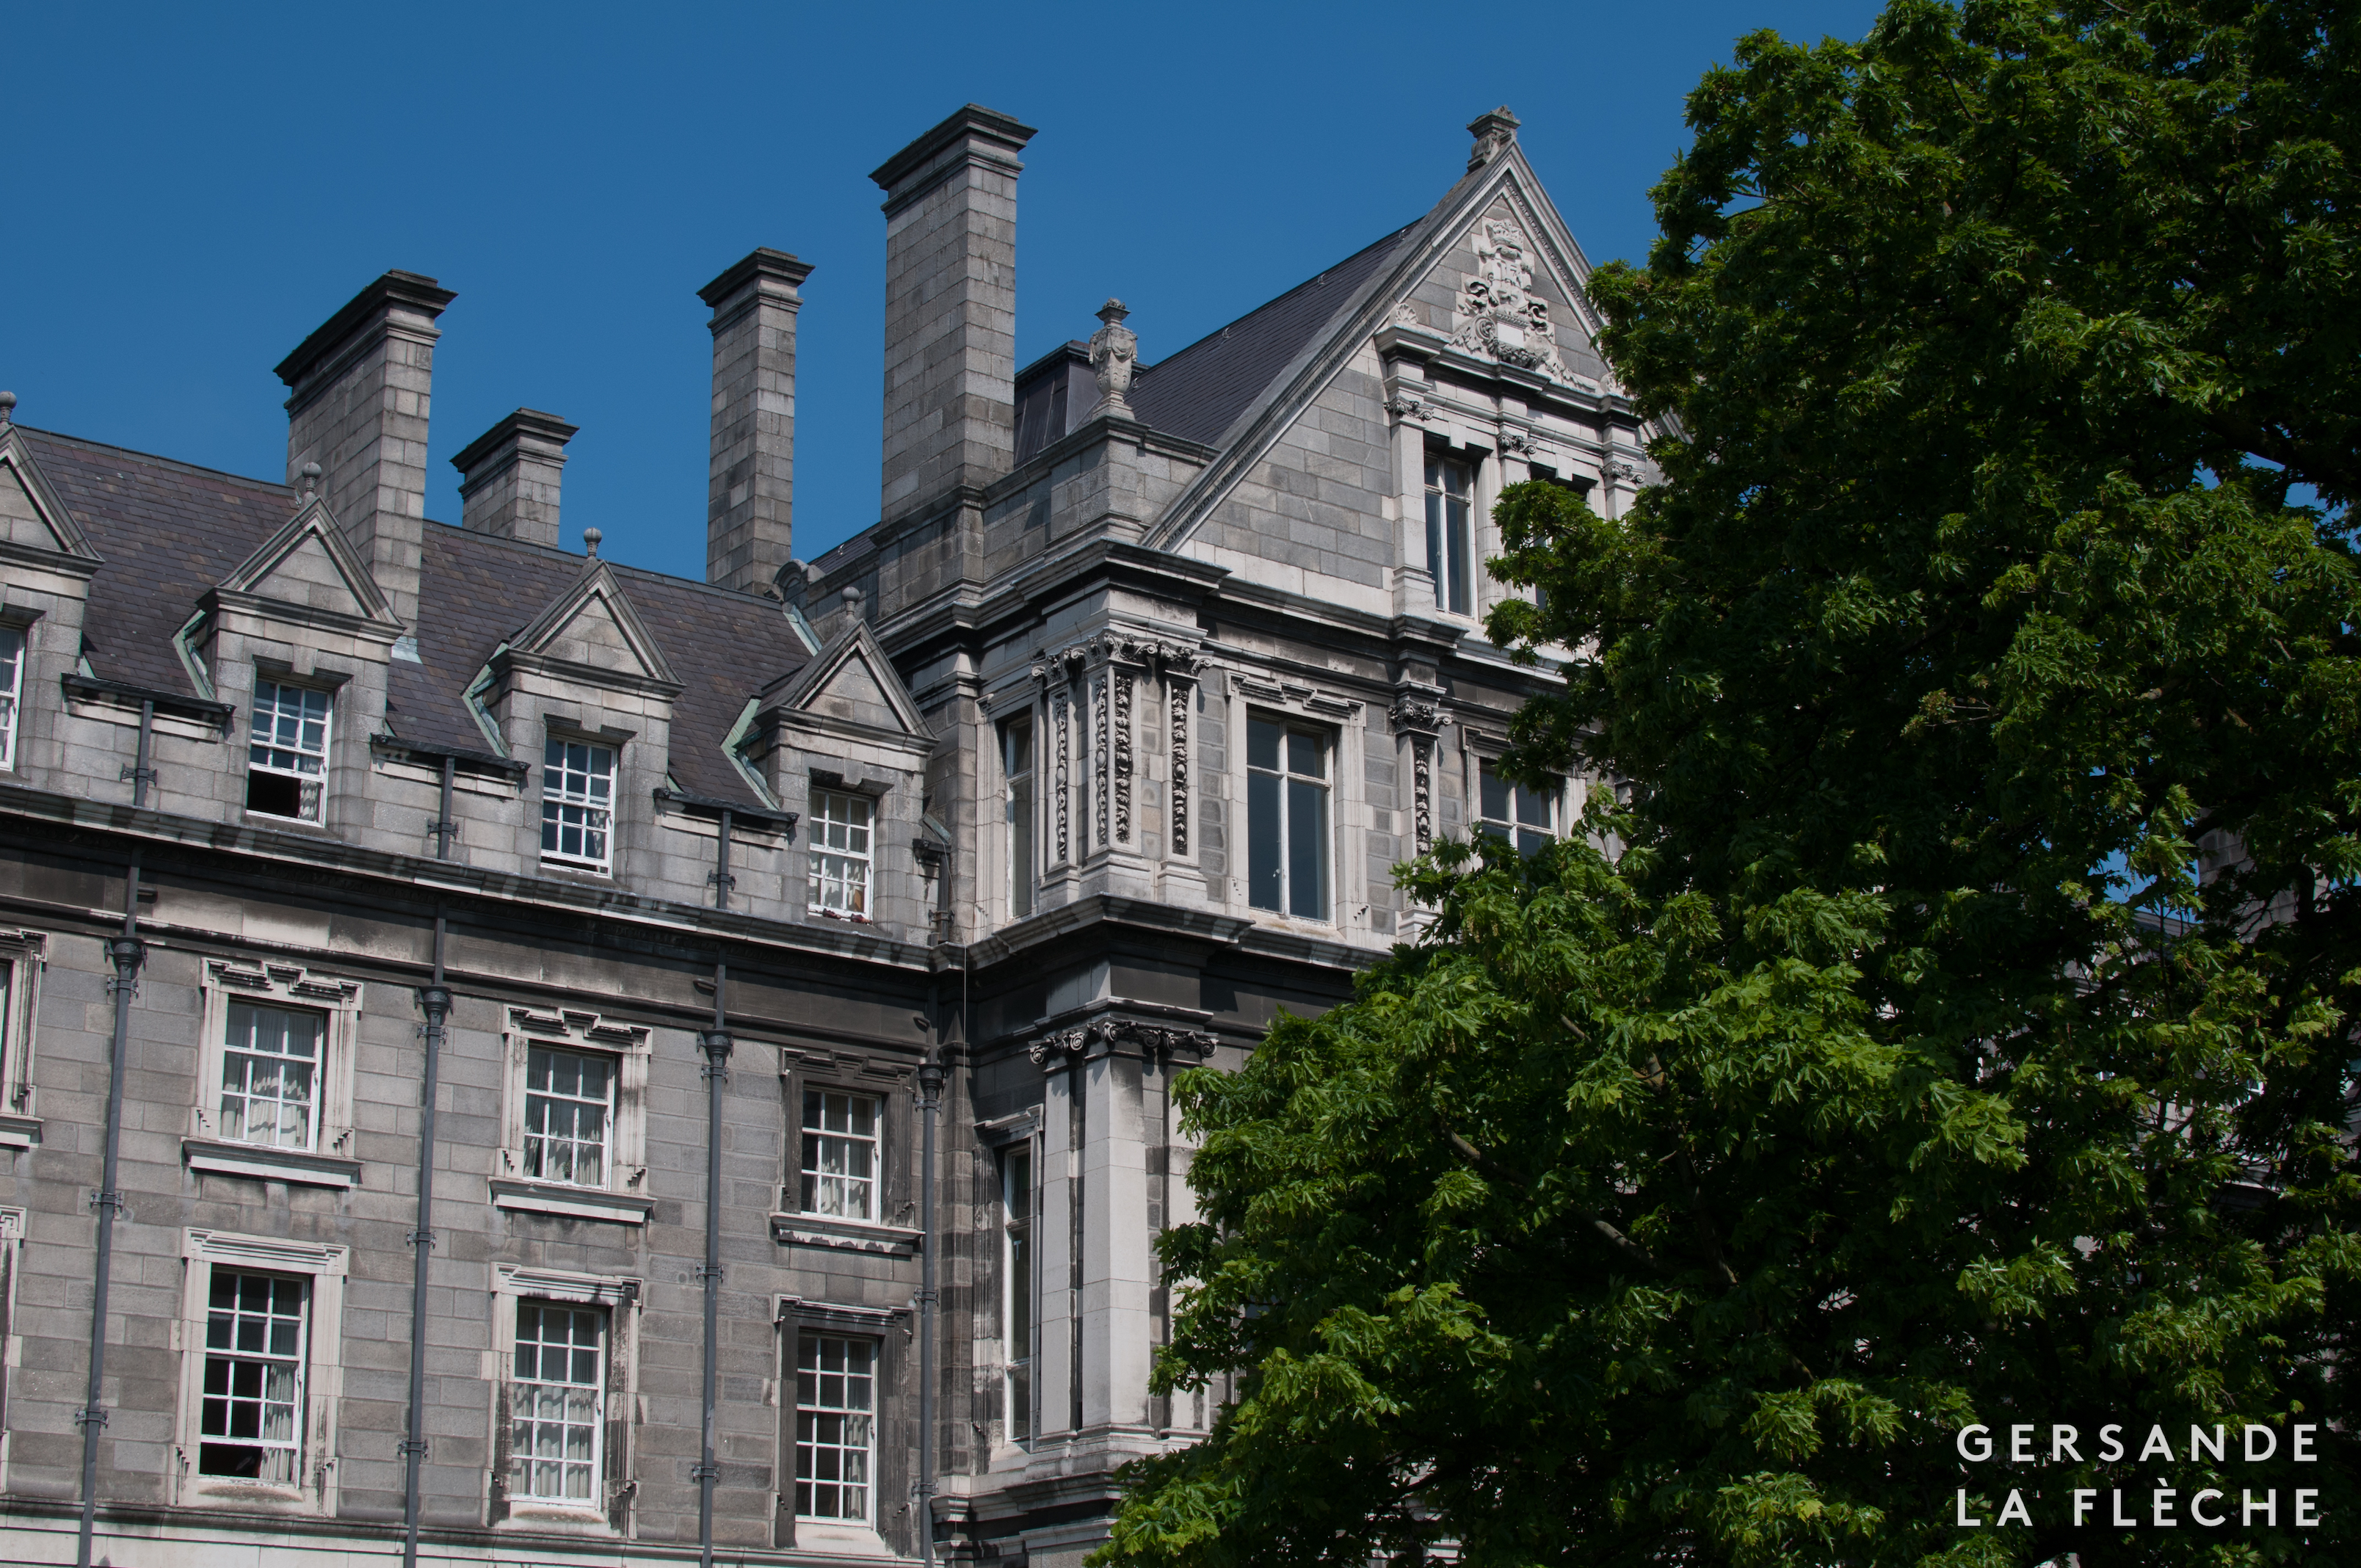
[{"x": 1962, "y": 1029}]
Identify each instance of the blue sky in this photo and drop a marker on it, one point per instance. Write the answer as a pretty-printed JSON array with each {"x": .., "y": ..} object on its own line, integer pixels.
[{"x": 191, "y": 190}]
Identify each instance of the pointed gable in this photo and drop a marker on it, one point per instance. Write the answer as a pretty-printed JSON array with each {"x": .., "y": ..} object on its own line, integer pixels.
[
  {"x": 307, "y": 564},
  {"x": 851, "y": 681},
  {"x": 1414, "y": 281},
  {"x": 593, "y": 626},
  {"x": 32, "y": 517}
]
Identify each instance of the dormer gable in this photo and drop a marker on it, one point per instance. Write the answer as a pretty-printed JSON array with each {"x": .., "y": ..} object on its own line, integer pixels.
[
  {"x": 591, "y": 633},
  {"x": 851, "y": 683},
  {"x": 35, "y": 526},
  {"x": 308, "y": 568}
]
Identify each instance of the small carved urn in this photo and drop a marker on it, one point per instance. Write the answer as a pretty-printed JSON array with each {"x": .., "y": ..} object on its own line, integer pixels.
[{"x": 1113, "y": 348}]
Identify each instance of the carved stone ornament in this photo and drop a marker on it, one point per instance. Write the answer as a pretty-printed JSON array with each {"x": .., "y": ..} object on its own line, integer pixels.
[
  {"x": 1500, "y": 314},
  {"x": 1517, "y": 444},
  {"x": 1115, "y": 351},
  {"x": 1052, "y": 1049},
  {"x": 1123, "y": 759},
  {"x": 1623, "y": 471},
  {"x": 1420, "y": 715},
  {"x": 1407, "y": 405},
  {"x": 1415, "y": 713}
]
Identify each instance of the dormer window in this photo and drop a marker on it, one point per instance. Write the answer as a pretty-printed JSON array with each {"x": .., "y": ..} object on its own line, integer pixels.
[
  {"x": 287, "y": 755},
  {"x": 577, "y": 800},
  {"x": 840, "y": 823},
  {"x": 12, "y": 687}
]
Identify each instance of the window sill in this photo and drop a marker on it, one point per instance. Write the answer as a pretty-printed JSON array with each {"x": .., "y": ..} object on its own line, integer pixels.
[
  {"x": 224, "y": 1492},
  {"x": 571, "y": 1202},
  {"x": 844, "y": 1236},
  {"x": 567, "y": 1519},
  {"x": 843, "y": 1540},
  {"x": 19, "y": 1131},
  {"x": 577, "y": 868},
  {"x": 270, "y": 1163}
]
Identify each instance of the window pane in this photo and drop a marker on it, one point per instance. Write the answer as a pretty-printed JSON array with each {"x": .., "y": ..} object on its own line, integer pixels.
[
  {"x": 1265, "y": 875},
  {"x": 1455, "y": 519},
  {"x": 557, "y": 1402},
  {"x": 287, "y": 751},
  {"x": 569, "y": 1107},
  {"x": 1307, "y": 755},
  {"x": 1496, "y": 795},
  {"x": 12, "y": 688},
  {"x": 1262, "y": 745},
  {"x": 840, "y": 1148},
  {"x": 249, "y": 1421},
  {"x": 835, "y": 1390},
  {"x": 270, "y": 1061},
  {"x": 1307, "y": 850}
]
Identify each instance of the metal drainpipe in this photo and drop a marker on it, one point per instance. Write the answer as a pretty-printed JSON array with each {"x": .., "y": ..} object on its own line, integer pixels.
[
  {"x": 722, "y": 879},
  {"x": 930, "y": 1083},
  {"x": 717, "y": 1053},
  {"x": 139, "y": 772},
  {"x": 125, "y": 952},
  {"x": 436, "y": 1001}
]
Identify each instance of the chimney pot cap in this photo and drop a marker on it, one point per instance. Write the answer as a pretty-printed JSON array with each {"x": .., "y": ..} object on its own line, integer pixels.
[
  {"x": 762, "y": 262},
  {"x": 1002, "y": 134},
  {"x": 414, "y": 290}
]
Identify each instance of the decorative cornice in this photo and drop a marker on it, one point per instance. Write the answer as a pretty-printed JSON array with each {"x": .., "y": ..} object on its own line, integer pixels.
[{"x": 1128, "y": 1035}]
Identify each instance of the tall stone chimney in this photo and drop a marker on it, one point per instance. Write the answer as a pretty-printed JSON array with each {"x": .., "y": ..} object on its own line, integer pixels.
[
  {"x": 751, "y": 486},
  {"x": 950, "y": 309},
  {"x": 508, "y": 476},
  {"x": 359, "y": 391}
]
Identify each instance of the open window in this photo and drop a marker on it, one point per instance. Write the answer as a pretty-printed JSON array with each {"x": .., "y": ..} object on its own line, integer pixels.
[
  {"x": 577, "y": 805},
  {"x": 12, "y": 690},
  {"x": 262, "y": 1323},
  {"x": 287, "y": 751}
]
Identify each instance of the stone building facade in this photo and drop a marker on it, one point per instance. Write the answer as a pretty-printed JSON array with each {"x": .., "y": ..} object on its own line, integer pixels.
[{"x": 673, "y": 931}]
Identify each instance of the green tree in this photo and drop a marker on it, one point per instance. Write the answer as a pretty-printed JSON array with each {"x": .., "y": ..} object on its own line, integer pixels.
[{"x": 1963, "y": 1030}]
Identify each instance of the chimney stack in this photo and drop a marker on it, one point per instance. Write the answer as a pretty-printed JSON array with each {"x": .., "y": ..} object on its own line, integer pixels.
[
  {"x": 750, "y": 484},
  {"x": 359, "y": 391},
  {"x": 950, "y": 309},
  {"x": 509, "y": 477}
]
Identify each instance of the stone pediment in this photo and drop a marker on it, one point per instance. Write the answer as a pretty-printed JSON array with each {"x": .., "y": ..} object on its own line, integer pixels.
[
  {"x": 853, "y": 682},
  {"x": 308, "y": 566},
  {"x": 593, "y": 629},
  {"x": 33, "y": 519}
]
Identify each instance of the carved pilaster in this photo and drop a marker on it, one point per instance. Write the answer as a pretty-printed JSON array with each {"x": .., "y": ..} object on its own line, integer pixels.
[
  {"x": 1101, "y": 750},
  {"x": 1122, "y": 679},
  {"x": 1418, "y": 715},
  {"x": 1180, "y": 681},
  {"x": 1062, "y": 710}
]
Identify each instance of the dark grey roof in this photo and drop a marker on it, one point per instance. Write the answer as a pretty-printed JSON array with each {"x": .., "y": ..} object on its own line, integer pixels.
[
  {"x": 1200, "y": 392},
  {"x": 167, "y": 530}
]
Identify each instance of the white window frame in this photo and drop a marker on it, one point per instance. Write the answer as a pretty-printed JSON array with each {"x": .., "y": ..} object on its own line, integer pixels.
[
  {"x": 817, "y": 1339},
  {"x": 597, "y": 815},
  {"x": 556, "y": 1099},
  {"x": 12, "y": 687},
  {"x": 622, "y": 1195},
  {"x": 1454, "y": 570},
  {"x": 620, "y": 1297},
  {"x": 1020, "y": 797},
  {"x": 324, "y": 1270},
  {"x": 26, "y": 954},
  {"x": 1019, "y": 1371},
  {"x": 270, "y": 983},
  {"x": 592, "y": 1464},
  {"x": 1332, "y": 756},
  {"x": 834, "y": 863},
  {"x": 317, "y": 814},
  {"x": 812, "y": 1179}
]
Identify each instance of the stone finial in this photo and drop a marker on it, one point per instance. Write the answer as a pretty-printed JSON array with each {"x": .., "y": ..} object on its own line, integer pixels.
[
  {"x": 1114, "y": 349},
  {"x": 590, "y": 537},
  {"x": 7, "y": 407},
  {"x": 1493, "y": 133},
  {"x": 311, "y": 476}
]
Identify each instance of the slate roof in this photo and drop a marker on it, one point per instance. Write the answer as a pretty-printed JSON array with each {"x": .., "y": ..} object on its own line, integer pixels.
[
  {"x": 1201, "y": 391},
  {"x": 167, "y": 530}
]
